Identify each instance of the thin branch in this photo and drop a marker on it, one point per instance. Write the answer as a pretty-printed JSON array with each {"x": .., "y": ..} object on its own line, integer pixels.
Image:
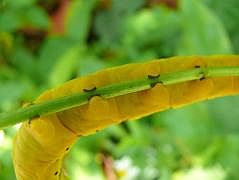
[{"x": 113, "y": 90}]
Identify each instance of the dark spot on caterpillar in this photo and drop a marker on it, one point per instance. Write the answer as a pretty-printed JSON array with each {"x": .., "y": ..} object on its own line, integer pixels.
[
  {"x": 93, "y": 95},
  {"x": 29, "y": 122},
  {"x": 27, "y": 105},
  {"x": 154, "y": 84},
  {"x": 33, "y": 117},
  {"x": 36, "y": 116},
  {"x": 202, "y": 78},
  {"x": 56, "y": 173},
  {"x": 151, "y": 77},
  {"x": 197, "y": 66},
  {"x": 67, "y": 148},
  {"x": 89, "y": 90}
]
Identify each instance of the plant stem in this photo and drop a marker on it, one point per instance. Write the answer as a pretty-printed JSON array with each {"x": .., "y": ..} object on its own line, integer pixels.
[{"x": 113, "y": 90}]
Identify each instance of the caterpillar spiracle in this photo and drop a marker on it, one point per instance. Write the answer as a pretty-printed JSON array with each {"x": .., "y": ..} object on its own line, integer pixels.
[{"x": 41, "y": 144}]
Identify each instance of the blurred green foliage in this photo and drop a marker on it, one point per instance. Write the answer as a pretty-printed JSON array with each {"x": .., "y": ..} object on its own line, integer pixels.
[{"x": 45, "y": 43}]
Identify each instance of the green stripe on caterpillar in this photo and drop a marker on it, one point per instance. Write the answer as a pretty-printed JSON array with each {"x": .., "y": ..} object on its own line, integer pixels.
[{"x": 41, "y": 145}]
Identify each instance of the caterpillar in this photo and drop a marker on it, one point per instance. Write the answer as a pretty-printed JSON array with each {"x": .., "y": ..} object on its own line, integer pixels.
[{"x": 41, "y": 143}]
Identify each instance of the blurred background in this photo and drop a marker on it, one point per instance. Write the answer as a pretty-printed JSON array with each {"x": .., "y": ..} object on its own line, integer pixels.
[{"x": 44, "y": 43}]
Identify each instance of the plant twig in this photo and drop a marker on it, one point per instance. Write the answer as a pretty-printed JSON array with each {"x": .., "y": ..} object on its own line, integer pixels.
[{"x": 113, "y": 90}]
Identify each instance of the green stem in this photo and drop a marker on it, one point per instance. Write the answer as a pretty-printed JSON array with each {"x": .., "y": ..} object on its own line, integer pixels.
[{"x": 113, "y": 90}]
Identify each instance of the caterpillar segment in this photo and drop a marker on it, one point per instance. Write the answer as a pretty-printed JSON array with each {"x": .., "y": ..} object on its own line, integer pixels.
[{"x": 41, "y": 145}]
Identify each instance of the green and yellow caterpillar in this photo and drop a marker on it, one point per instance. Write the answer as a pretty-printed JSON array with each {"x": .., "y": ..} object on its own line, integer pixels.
[{"x": 41, "y": 144}]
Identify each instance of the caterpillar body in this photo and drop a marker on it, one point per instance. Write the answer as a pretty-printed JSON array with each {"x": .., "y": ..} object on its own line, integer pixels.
[{"x": 41, "y": 144}]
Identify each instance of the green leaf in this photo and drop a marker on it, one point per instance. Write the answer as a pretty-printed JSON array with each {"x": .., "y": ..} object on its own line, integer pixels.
[
  {"x": 6, "y": 44},
  {"x": 92, "y": 63},
  {"x": 35, "y": 17},
  {"x": 152, "y": 32},
  {"x": 24, "y": 62},
  {"x": 79, "y": 19},
  {"x": 23, "y": 16},
  {"x": 51, "y": 51},
  {"x": 9, "y": 21},
  {"x": 12, "y": 4},
  {"x": 203, "y": 32},
  {"x": 65, "y": 66},
  {"x": 227, "y": 11},
  {"x": 11, "y": 92},
  {"x": 224, "y": 112},
  {"x": 109, "y": 23},
  {"x": 190, "y": 126}
]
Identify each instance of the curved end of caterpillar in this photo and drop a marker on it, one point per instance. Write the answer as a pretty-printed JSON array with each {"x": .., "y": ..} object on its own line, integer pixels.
[{"x": 39, "y": 148}]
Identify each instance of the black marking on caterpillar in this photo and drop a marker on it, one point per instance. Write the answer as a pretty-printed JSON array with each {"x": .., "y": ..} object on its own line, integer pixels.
[
  {"x": 89, "y": 90},
  {"x": 92, "y": 90},
  {"x": 56, "y": 173},
  {"x": 30, "y": 104},
  {"x": 67, "y": 148},
  {"x": 203, "y": 76},
  {"x": 33, "y": 117},
  {"x": 154, "y": 77},
  {"x": 93, "y": 95},
  {"x": 197, "y": 66}
]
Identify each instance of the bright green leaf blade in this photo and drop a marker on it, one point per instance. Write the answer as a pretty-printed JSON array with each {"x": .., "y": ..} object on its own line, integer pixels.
[
  {"x": 203, "y": 33},
  {"x": 65, "y": 66},
  {"x": 79, "y": 18}
]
